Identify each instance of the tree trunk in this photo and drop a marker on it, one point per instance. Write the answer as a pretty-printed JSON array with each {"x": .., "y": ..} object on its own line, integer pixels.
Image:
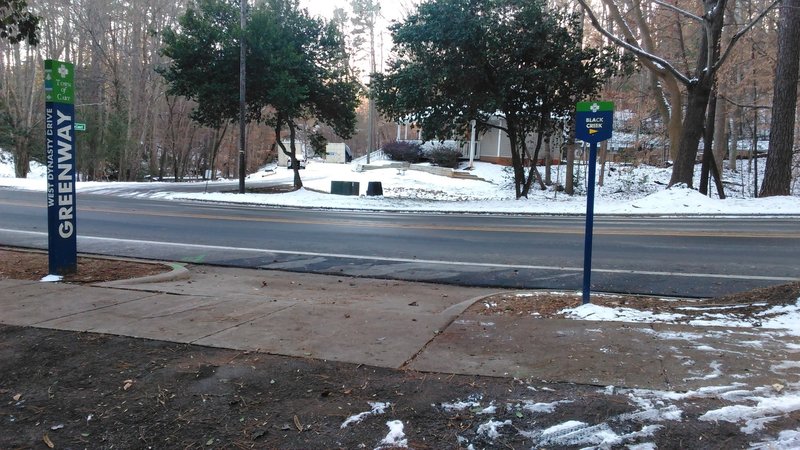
[
  {"x": 708, "y": 137},
  {"x": 22, "y": 157},
  {"x": 218, "y": 136},
  {"x": 569, "y": 183},
  {"x": 778, "y": 171},
  {"x": 516, "y": 156},
  {"x": 298, "y": 183},
  {"x": 709, "y": 160},
  {"x": 737, "y": 133},
  {"x": 720, "y": 133},
  {"x": 683, "y": 170},
  {"x": 603, "y": 156},
  {"x": 534, "y": 171},
  {"x": 548, "y": 163},
  {"x": 699, "y": 92}
]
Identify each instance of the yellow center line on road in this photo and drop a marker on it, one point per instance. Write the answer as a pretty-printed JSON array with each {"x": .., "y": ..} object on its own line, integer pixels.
[{"x": 531, "y": 228}]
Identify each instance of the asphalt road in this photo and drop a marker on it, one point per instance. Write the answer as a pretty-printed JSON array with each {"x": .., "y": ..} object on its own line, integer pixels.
[{"x": 663, "y": 256}]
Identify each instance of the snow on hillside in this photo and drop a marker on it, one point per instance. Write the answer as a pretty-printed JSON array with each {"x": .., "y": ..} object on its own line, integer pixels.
[
  {"x": 628, "y": 189},
  {"x": 37, "y": 171}
]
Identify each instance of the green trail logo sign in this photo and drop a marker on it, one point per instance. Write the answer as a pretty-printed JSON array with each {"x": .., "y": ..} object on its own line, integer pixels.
[
  {"x": 59, "y": 89},
  {"x": 594, "y": 121},
  {"x": 59, "y": 82}
]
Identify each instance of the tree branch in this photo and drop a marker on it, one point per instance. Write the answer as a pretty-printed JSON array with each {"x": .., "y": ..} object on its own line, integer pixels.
[
  {"x": 679, "y": 10},
  {"x": 742, "y": 105},
  {"x": 741, "y": 32},
  {"x": 635, "y": 49},
  {"x": 644, "y": 31}
]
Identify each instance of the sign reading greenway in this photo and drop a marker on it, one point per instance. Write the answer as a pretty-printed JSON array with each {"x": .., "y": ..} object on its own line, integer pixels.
[
  {"x": 60, "y": 137},
  {"x": 593, "y": 124}
]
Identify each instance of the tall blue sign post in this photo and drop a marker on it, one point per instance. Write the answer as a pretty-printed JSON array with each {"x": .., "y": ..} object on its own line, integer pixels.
[
  {"x": 593, "y": 124},
  {"x": 59, "y": 89}
]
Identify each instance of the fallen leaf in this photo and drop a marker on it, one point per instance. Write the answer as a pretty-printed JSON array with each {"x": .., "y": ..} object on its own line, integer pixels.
[
  {"x": 17, "y": 397},
  {"x": 297, "y": 423},
  {"x": 259, "y": 434},
  {"x": 48, "y": 442}
]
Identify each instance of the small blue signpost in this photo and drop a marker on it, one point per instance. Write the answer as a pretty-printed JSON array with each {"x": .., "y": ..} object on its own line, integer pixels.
[
  {"x": 59, "y": 89},
  {"x": 593, "y": 122}
]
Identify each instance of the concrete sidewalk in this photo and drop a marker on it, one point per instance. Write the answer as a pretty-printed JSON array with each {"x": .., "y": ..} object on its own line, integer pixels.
[{"x": 396, "y": 324}]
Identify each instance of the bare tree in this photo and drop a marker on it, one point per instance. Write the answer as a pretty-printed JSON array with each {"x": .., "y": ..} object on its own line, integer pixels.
[
  {"x": 698, "y": 82},
  {"x": 20, "y": 102}
]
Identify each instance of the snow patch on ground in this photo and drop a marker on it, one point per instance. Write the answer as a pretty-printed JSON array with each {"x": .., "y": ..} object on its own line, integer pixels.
[
  {"x": 591, "y": 311},
  {"x": 51, "y": 279},
  {"x": 786, "y": 440},
  {"x": 542, "y": 407},
  {"x": 490, "y": 428},
  {"x": 460, "y": 405},
  {"x": 377, "y": 408},
  {"x": 755, "y": 416},
  {"x": 785, "y": 318},
  {"x": 395, "y": 438}
]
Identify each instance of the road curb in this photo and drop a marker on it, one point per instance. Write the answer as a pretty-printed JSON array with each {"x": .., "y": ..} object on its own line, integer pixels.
[{"x": 178, "y": 272}]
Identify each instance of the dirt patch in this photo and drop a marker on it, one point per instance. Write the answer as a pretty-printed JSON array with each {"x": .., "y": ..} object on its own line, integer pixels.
[
  {"x": 79, "y": 390},
  {"x": 32, "y": 265}
]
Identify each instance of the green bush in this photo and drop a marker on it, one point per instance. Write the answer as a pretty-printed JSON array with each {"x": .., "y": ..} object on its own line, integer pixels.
[
  {"x": 403, "y": 151},
  {"x": 444, "y": 156}
]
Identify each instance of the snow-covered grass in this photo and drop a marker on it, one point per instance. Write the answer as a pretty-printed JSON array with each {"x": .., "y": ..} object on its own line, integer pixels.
[
  {"x": 651, "y": 411},
  {"x": 628, "y": 189}
]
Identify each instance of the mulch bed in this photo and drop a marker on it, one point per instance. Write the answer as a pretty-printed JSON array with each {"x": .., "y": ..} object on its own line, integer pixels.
[{"x": 33, "y": 265}]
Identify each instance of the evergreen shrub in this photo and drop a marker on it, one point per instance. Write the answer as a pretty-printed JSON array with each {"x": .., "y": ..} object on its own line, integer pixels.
[{"x": 403, "y": 151}]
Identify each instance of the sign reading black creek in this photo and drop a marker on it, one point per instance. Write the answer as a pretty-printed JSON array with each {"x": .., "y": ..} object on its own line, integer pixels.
[
  {"x": 593, "y": 124},
  {"x": 60, "y": 137},
  {"x": 593, "y": 121}
]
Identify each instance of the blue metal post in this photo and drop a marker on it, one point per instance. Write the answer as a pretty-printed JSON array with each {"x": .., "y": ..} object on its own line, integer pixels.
[{"x": 587, "y": 251}]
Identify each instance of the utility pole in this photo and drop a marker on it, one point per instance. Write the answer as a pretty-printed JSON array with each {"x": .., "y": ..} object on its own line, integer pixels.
[
  {"x": 371, "y": 113},
  {"x": 242, "y": 125}
]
